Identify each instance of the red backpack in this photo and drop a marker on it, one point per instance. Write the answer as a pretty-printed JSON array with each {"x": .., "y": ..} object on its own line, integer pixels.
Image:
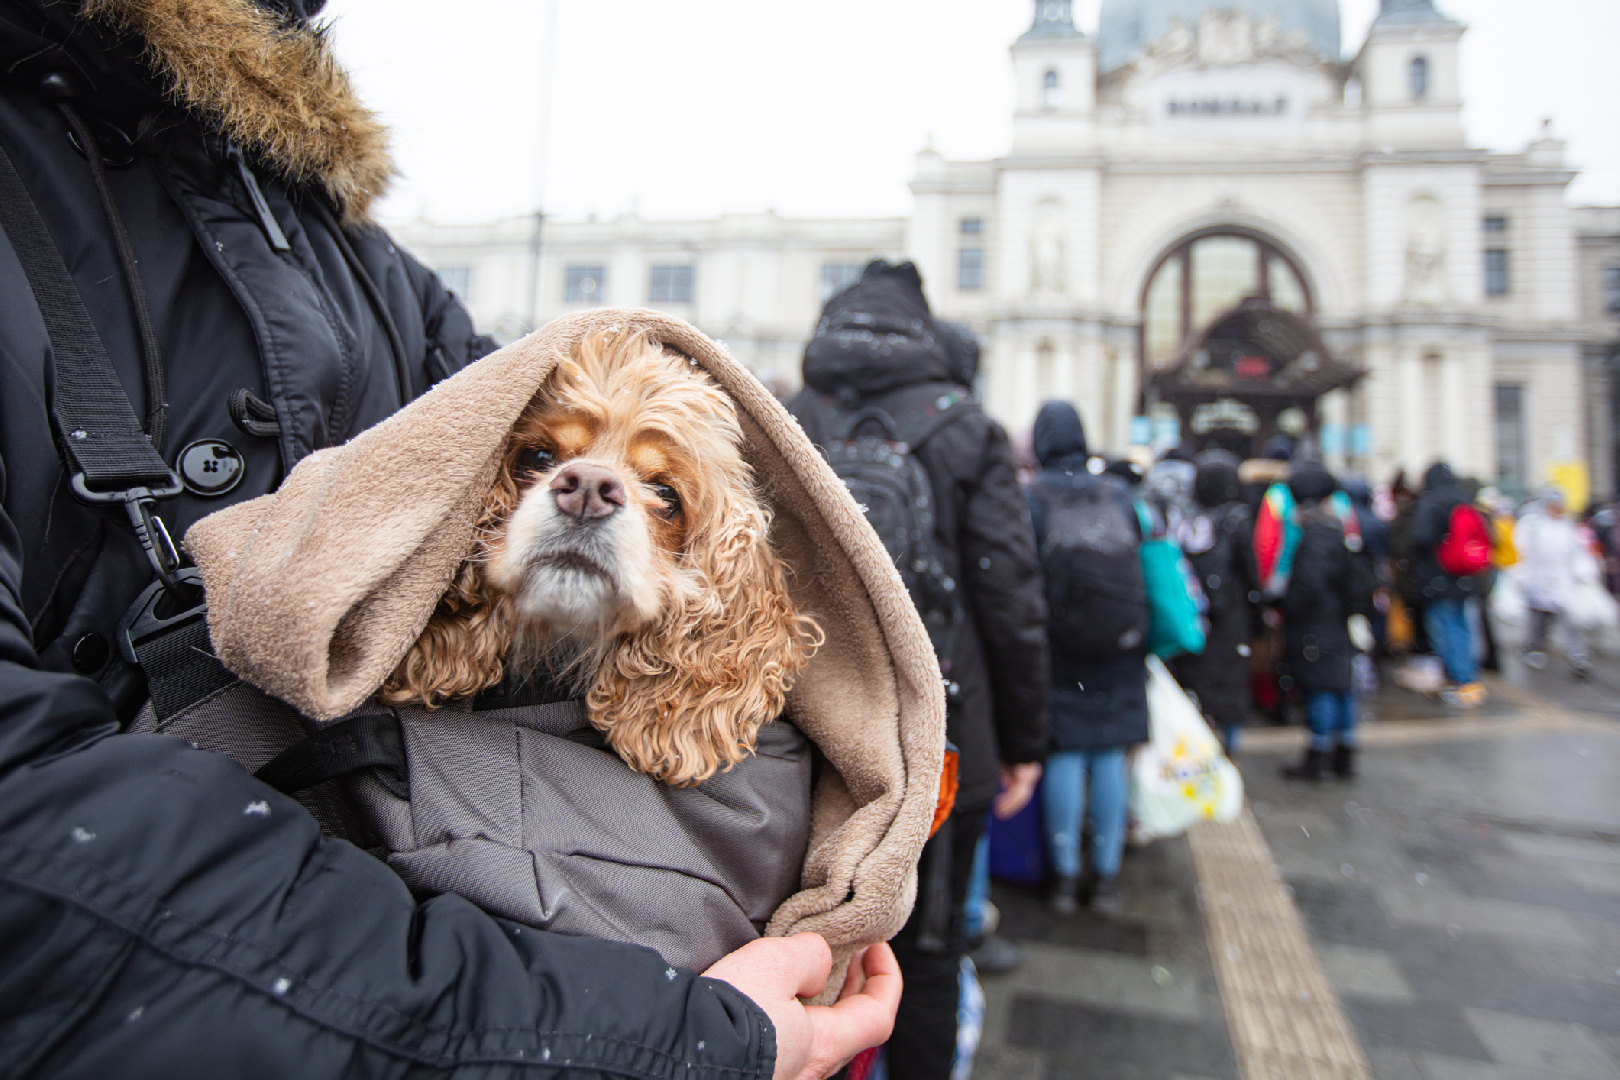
[{"x": 1466, "y": 548}]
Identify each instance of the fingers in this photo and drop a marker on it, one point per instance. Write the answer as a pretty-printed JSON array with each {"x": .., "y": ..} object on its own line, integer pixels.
[{"x": 859, "y": 1020}]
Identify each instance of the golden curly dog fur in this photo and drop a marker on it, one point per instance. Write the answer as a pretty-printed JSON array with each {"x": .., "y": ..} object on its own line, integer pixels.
[{"x": 671, "y": 604}]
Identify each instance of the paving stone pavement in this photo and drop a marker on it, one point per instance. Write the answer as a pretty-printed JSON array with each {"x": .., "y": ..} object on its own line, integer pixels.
[{"x": 1462, "y": 895}]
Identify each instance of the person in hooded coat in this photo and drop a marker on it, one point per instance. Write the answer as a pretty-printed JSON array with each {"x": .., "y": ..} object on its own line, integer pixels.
[
  {"x": 1444, "y": 594},
  {"x": 1099, "y": 704},
  {"x": 877, "y": 345},
  {"x": 200, "y": 175},
  {"x": 1218, "y": 541},
  {"x": 1331, "y": 582}
]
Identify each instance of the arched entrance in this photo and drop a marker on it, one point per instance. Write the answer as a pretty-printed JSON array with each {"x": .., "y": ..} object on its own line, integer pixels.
[{"x": 1229, "y": 344}]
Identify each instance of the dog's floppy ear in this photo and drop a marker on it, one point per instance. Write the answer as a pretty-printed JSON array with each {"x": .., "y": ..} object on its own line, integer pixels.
[
  {"x": 685, "y": 697},
  {"x": 463, "y": 646}
]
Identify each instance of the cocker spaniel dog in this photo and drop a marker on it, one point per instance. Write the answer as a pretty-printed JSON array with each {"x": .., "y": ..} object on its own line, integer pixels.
[{"x": 624, "y": 546}]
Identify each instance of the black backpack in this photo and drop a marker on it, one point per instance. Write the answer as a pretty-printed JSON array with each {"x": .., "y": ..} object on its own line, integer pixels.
[
  {"x": 1209, "y": 541},
  {"x": 1096, "y": 596},
  {"x": 875, "y": 456}
]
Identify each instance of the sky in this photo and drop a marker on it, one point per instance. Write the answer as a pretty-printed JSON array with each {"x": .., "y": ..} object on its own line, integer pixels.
[{"x": 693, "y": 108}]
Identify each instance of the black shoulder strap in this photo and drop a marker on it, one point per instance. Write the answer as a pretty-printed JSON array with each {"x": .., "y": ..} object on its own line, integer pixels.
[
  {"x": 109, "y": 456},
  {"x": 99, "y": 431},
  {"x": 367, "y": 740},
  {"x": 927, "y": 425}
]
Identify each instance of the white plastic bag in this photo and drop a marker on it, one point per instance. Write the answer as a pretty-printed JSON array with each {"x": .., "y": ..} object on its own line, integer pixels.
[
  {"x": 1181, "y": 776},
  {"x": 1590, "y": 607},
  {"x": 1508, "y": 606}
]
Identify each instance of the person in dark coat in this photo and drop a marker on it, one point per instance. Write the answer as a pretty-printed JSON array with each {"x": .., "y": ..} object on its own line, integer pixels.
[
  {"x": 1444, "y": 595},
  {"x": 1099, "y": 704},
  {"x": 877, "y": 346},
  {"x": 1218, "y": 540},
  {"x": 1329, "y": 585},
  {"x": 202, "y": 175}
]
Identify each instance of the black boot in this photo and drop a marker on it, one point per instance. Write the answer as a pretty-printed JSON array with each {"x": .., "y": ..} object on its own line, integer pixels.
[
  {"x": 1064, "y": 892},
  {"x": 1344, "y": 761},
  {"x": 1314, "y": 766}
]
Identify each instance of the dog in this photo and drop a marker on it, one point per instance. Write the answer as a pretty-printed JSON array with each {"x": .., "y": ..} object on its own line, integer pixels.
[{"x": 623, "y": 546}]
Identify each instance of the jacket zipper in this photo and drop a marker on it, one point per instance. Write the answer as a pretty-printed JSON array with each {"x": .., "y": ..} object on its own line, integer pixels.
[{"x": 267, "y": 220}]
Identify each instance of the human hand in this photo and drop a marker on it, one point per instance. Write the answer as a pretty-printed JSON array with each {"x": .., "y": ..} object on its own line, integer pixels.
[
  {"x": 815, "y": 1041},
  {"x": 1017, "y": 788}
]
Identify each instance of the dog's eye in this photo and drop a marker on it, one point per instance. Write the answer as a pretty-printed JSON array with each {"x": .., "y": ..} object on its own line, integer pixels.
[
  {"x": 671, "y": 498},
  {"x": 536, "y": 459}
]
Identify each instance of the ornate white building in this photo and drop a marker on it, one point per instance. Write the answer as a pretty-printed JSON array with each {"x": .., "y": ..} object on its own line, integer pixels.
[{"x": 1208, "y": 227}]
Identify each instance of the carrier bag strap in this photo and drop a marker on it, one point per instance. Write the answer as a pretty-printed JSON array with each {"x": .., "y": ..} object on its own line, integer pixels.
[
  {"x": 368, "y": 740},
  {"x": 109, "y": 457},
  {"x": 170, "y": 642}
]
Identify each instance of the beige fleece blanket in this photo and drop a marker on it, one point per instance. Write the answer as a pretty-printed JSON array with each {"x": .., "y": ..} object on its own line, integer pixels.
[{"x": 316, "y": 592}]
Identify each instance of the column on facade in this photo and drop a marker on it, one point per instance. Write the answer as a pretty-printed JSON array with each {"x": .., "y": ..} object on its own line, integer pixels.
[
  {"x": 1333, "y": 416},
  {"x": 1126, "y": 376},
  {"x": 1449, "y": 413},
  {"x": 1412, "y": 439}
]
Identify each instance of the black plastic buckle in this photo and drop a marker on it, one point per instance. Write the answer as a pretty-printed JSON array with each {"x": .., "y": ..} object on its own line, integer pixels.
[
  {"x": 140, "y": 504},
  {"x": 160, "y": 610}
]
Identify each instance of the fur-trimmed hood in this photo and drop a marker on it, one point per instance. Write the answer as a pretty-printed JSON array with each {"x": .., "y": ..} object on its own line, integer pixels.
[
  {"x": 317, "y": 591},
  {"x": 262, "y": 75}
]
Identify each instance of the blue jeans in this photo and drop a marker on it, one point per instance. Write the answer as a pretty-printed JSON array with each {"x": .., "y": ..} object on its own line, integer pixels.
[
  {"x": 1331, "y": 715},
  {"x": 1063, "y": 803},
  {"x": 978, "y": 894},
  {"x": 1447, "y": 626}
]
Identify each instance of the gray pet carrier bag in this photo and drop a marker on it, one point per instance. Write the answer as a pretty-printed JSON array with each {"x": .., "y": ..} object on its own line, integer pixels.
[{"x": 514, "y": 801}]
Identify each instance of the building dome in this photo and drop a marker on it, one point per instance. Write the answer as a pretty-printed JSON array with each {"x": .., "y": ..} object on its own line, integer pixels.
[{"x": 1129, "y": 26}]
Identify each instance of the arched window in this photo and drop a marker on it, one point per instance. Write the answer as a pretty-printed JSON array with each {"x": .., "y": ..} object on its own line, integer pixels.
[
  {"x": 1206, "y": 276},
  {"x": 1051, "y": 92},
  {"x": 1417, "y": 77}
]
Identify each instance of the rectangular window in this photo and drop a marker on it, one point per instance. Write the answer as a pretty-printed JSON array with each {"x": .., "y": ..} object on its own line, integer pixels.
[
  {"x": 1496, "y": 223},
  {"x": 970, "y": 269},
  {"x": 669, "y": 285},
  {"x": 1510, "y": 436},
  {"x": 972, "y": 226},
  {"x": 1611, "y": 289},
  {"x": 458, "y": 279},
  {"x": 585, "y": 285},
  {"x": 836, "y": 277},
  {"x": 1496, "y": 272}
]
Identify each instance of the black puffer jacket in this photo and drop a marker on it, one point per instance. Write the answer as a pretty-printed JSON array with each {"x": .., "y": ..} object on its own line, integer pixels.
[
  {"x": 877, "y": 344},
  {"x": 162, "y": 913},
  {"x": 1431, "y": 521},
  {"x": 1096, "y": 704},
  {"x": 1218, "y": 541},
  {"x": 1331, "y": 580}
]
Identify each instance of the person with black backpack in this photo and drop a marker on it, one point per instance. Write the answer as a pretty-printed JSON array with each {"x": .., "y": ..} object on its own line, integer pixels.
[
  {"x": 1325, "y": 609},
  {"x": 1089, "y": 531},
  {"x": 938, "y": 482},
  {"x": 1218, "y": 541}
]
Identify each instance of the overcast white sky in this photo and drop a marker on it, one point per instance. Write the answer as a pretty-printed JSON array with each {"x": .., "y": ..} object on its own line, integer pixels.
[{"x": 689, "y": 108}]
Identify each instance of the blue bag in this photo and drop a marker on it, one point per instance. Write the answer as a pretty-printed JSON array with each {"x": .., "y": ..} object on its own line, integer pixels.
[
  {"x": 1018, "y": 845},
  {"x": 1174, "y": 625}
]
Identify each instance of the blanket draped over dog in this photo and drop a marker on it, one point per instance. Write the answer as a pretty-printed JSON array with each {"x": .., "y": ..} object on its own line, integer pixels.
[{"x": 317, "y": 591}]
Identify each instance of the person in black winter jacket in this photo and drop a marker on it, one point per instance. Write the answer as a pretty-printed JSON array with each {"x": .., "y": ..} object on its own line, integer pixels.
[
  {"x": 1099, "y": 696},
  {"x": 186, "y": 186},
  {"x": 877, "y": 346},
  {"x": 1444, "y": 594},
  {"x": 1218, "y": 541},
  {"x": 1330, "y": 584}
]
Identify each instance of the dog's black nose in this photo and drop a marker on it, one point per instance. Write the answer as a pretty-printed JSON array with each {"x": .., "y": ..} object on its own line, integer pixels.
[{"x": 587, "y": 492}]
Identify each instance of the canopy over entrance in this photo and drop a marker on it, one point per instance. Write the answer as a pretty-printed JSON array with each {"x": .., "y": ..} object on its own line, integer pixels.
[{"x": 1233, "y": 383}]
